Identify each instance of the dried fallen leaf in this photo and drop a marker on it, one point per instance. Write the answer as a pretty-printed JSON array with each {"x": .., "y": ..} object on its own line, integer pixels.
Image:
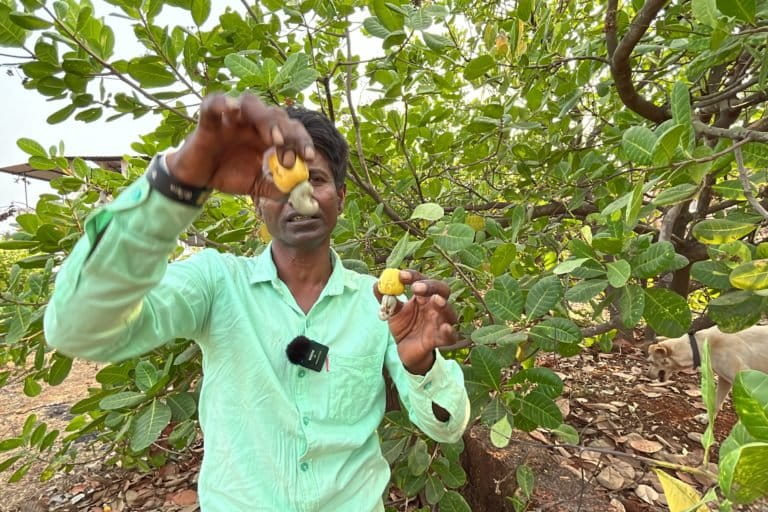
[
  {"x": 185, "y": 497},
  {"x": 645, "y": 446},
  {"x": 610, "y": 478},
  {"x": 693, "y": 392},
  {"x": 617, "y": 506},
  {"x": 646, "y": 493}
]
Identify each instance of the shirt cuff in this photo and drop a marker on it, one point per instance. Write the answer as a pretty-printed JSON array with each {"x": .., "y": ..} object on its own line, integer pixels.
[{"x": 145, "y": 213}]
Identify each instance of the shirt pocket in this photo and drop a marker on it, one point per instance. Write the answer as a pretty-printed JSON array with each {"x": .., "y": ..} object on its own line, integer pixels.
[{"x": 353, "y": 387}]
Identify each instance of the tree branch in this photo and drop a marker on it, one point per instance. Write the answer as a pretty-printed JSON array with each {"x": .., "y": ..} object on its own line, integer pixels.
[
  {"x": 730, "y": 133},
  {"x": 747, "y": 186},
  {"x": 622, "y": 55},
  {"x": 109, "y": 66}
]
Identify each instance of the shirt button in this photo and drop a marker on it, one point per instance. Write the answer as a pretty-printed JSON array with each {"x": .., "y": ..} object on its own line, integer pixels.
[
  {"x": 305, "y": 419},
  {"x": 304, "y": 466},
  {"x": 302, "y": 373}
]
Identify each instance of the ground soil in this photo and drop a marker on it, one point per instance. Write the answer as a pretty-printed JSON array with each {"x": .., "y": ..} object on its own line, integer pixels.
[{"x": 607, "y": 398}]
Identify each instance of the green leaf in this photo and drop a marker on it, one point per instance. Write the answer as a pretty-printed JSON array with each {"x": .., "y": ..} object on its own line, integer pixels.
[
  {"x": 637, "y": 143},
  {"x": 436, "y": 43},
  {"x": 149, "y": 423},
  {"x": 450, "y": 471},
  {"x": 501, "y": 432},
  {"x": 375, "y": 27},
  {"x": 550, "y": 333},
  {"x": 744, "y": 10},
  {"x": 711, "y": 273},
  {"x": 201, "y": 9},
  {"x": 505, "y": 300},
  {"x": 498, "y": 334},
  {"x": 566, "y": 266},
  {"x": 502, "y": 258},
  {"x": 60, "y": 115},
  {"x": 681, "y": 104},
  {"x": 428, "y": 211},
  {"x": 11, "y": 35},
  {"x": 392, "y": 449},
  {"x": 567, "y": 434},
  {"x": 752, "y": 275},
  {"x": 182, "y": 404},
  {"x": 705, "y": 12},
  {"x": 666, "y": 312},
  {"x": 418, "y": 458},
  {"x": 744, "y": 473},
  {"x": 735, "y": 311},
  {"x": 486, "y": 366},
  {"x": 241, "y": 66},
  {"x": 708, "y": 393},
  {"x": 618, "y": 272},
  {"x": 750, "y": 399},
  {"x": 31, "y": 147},
  {"x": 676, "y": 194},
  {"x": 667, "y": 144},
  {"x": 29, "y": 21},
  {"x": 543, "y": 296},
  {"x": 454, "y": 502},
  {"x": 525, "y": 479},
  {"x": 585, "y": 290},
  {"x": 32, "y": 387},
  {"x": 59, "y": 369},
  {"x": 545, "y": 379},
  {"x": 146, "y": 375},
  {"x": 454, "y": 237},
  {"x": 10, "y": 444},
  {"x": 418, "y": 19},
  {"x": 390, "y": 18},
  {"x": 401, "y": 251},
  {"x": 122, "y": 400},
  {"x": 720, "y": 231},
  {"x": 658, "y": 258},
  {"x": 434, "y": 490},
  {"x": 541, "y": 410},
  {"x": 150, "y": 74},
  {"x": 755, "y": 154},
  {"x": 478, "y": 66}
]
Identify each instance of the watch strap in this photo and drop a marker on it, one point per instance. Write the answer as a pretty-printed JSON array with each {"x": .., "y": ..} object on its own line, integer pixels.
[{"x": 163, "y": 181}]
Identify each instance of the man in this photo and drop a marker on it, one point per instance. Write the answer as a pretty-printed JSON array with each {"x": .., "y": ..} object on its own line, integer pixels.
[{"x": 278, "y": 436}]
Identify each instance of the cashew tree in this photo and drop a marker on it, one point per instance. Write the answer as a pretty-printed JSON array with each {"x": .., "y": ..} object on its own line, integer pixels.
[{"x": 572, "y": 168}]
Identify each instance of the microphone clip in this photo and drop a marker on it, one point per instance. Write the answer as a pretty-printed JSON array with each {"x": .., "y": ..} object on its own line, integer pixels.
[{"x": 307, "y": 353}]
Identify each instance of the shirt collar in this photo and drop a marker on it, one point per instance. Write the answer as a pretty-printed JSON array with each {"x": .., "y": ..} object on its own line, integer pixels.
[{"x": 263, "y": 269}]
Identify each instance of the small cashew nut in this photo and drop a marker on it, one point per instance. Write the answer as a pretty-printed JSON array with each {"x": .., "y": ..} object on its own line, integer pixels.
[{"x": 390, "y": 288}]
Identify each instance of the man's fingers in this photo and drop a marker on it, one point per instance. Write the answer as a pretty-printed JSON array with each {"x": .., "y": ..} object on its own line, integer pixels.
[
  {"x": 444, "y": 309},
  {"x": 211, "y": 111},
  {"x": 429, "y": 287},
  {"x": 448, "y": 335}
]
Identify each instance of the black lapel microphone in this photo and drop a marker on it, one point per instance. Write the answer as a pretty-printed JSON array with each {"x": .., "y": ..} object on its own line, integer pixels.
[{"x": 307, "y": 353}]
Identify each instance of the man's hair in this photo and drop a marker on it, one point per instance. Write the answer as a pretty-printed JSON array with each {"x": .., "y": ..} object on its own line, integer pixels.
[{"x": 326, "y": 138}]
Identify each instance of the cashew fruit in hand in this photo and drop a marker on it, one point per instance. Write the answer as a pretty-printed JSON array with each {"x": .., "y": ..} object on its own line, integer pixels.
[
  {"x": 293, "y": 181},
  {"x": 390, "y": 287}
]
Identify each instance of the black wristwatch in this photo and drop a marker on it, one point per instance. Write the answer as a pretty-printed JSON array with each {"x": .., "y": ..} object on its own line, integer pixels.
[{"x": 163, "y": 181}]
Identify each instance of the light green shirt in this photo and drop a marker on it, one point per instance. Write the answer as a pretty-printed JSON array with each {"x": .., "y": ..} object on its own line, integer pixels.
[{"x": 278, "y": 437}]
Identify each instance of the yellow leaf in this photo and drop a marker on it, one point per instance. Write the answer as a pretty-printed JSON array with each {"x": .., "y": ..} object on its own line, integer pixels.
[{"x": 680, "y": 496}]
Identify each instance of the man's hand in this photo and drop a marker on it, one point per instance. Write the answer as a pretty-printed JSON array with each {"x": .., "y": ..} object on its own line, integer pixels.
[
  {"x": 422, "y": 324},
  {"x": 225, "y": 150}
]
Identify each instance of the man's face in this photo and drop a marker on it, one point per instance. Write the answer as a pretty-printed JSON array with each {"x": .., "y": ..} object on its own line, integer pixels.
[{"x": 290, "y": 229}]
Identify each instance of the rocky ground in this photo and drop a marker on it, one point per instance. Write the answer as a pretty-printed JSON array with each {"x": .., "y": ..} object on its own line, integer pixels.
[{"x": 607, "y": 398}]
